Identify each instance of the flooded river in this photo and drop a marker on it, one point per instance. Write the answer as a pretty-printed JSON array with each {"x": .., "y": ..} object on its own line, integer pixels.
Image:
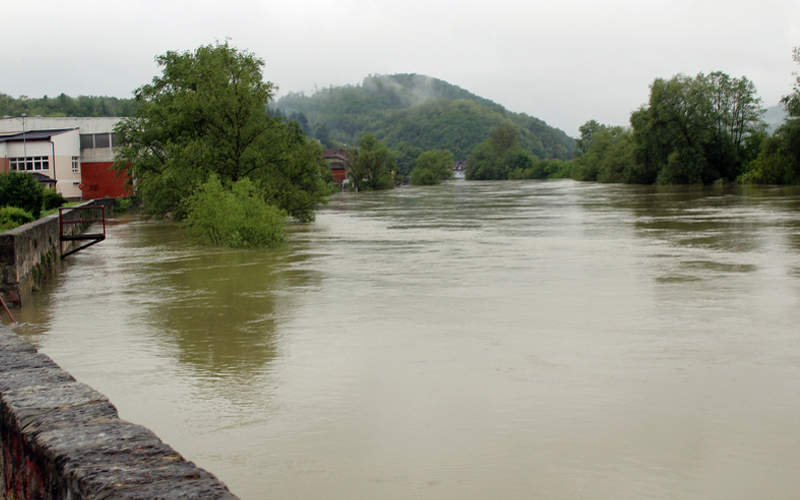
[{"x": 498, "y": 340}]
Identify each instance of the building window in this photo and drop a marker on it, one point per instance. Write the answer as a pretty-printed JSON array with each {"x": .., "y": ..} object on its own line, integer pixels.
[
  {"x": 31, "y": 163},
  {"x": 102, "y": 141},
  {"x": 76, "y": 164},
  {"x": 87, "y": 141}
]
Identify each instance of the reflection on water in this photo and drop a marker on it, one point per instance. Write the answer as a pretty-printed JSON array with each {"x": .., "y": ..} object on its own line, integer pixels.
[{"x": 472, "y": 340}]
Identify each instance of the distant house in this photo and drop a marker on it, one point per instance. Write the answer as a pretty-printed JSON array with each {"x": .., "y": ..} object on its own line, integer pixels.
[
  {"x": 338, "y": 160},
  {"x": 70, "y": 153},
  {"x": 459, "y": 169}
]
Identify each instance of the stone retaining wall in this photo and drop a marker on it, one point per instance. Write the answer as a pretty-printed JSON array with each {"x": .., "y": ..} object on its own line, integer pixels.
[
  {"x": 61, "y": 439},
  {"x": 29, "y": 251}
]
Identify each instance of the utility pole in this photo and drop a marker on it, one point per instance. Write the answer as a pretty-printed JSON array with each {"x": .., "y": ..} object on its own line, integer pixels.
[{"x": 24, "y": 144}]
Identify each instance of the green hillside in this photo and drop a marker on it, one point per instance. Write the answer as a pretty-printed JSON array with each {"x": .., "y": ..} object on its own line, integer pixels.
[{"x": 425, "y": 112}]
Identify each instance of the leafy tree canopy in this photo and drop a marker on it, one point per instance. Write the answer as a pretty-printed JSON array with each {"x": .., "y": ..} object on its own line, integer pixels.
[
  {"x": 779, "y": 159},
  {"x": 693, "y": 130},
  {"x": 371, "y": 165},
  {"x": 497, "y": 156},
  {"x": 433, "y": 167},
  {"x": 207, "y": 114}
]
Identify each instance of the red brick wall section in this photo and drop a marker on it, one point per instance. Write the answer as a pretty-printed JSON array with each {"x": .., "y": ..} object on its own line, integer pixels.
[{"x": 99, "y": 181}]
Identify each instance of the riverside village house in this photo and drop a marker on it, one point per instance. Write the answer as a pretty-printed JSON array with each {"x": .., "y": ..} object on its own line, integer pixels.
[{"x": 72, "y": 154}]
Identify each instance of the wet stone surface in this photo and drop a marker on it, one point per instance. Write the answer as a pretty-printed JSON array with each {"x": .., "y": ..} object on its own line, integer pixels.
[{"x": 62, "y": 439}]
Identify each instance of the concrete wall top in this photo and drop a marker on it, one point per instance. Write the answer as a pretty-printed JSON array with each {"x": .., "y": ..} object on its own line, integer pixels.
[{"x": 87, "y": 125}]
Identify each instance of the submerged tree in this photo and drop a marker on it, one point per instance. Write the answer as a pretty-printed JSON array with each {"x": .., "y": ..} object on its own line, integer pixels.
[
  {"x": 207, "y": 114},
  {"x": 433, "y": 167},
  {"x": 372, "y": 165},
  {"x": 497, "y": 156}
]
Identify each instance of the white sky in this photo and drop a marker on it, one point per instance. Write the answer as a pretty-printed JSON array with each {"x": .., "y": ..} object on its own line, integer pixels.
[{"x": 563, "y": 61}]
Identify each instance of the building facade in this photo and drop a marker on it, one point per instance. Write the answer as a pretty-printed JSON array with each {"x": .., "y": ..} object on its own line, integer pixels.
[{"x": 76, "y": 153}]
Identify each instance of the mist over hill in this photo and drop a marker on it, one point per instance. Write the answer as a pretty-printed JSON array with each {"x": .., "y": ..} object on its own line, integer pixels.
[{"x": 424, "y": 112}]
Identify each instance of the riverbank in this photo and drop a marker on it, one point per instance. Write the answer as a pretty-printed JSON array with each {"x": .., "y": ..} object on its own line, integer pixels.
[
  {"x": 62, "y": 439},
  {"x": 29, "y": 252}
]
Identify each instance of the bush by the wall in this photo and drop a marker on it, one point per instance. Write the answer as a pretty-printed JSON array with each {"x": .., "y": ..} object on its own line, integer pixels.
[
  {"x": 53, "y": 200},
  {"x": 11, "y": 217},
  {"x": 19, "y": 189}
]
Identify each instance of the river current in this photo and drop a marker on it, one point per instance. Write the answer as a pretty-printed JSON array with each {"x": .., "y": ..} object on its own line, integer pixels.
[{"x": 476, "y": 340}]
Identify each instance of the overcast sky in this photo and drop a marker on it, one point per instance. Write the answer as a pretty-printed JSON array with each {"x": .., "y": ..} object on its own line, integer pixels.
[{"x": 563, "y": 61}]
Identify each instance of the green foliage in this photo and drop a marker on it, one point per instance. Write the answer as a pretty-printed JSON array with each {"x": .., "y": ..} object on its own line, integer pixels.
[
  {"x": 19, "y": 189},
  {"x": 371, "y": 166},
  {"x": 587, "y": 131},
  {"x": 53, "y": 200},
  {"x": 543, "y": 169},
  {"x": 433, "y": 167},
  {"x": 779, "y": 159},
  {"x": 122, "y": 205},
  {"x": 497, "y": 156},
  {"x": 207, "y": 114},
  {"x": 63, "y": 105},
  {"x": 236, "y": 217},
  {"x": 608, "y": 156},
  {"x": 424, "y": 112},
  {"x": 405, "y": 157},
  {"x": 791, "y": 102},
  {"x": 694, "y": 129},
  {"x": 11, "y": 217}
]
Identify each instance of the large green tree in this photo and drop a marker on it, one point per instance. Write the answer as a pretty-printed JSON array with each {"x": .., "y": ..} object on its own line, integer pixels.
[
  {"x": 693, "y": 129},
  {"x": 207, "y": 114},
  {"x": 372, "y": 165},
  {"x": 497, "y": 156},
  {"x": 779, "y": 159},
  {"x": 607, "y": 154},
  {"x": 433, "y": 167}
]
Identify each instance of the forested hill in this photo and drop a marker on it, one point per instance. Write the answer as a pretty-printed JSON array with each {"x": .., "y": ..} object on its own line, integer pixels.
[
  {"x": 425, "y": 112},
  {"x": 64, "y": 105}
]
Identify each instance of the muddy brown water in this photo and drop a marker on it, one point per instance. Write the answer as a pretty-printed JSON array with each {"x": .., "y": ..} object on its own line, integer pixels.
[{"x": 469, "y": 341}]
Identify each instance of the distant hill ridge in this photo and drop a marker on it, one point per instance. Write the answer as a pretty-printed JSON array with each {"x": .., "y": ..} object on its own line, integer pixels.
[{"x": 420, "y": 110}]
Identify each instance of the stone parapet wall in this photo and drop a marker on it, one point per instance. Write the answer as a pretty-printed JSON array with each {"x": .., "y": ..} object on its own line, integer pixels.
[
  {"x": 30, "y": 250},
  {"x": 61, "y": 439}
]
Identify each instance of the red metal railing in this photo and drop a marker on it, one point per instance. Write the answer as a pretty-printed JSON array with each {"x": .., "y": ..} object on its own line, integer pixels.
[{"x": 70, "y": 229}]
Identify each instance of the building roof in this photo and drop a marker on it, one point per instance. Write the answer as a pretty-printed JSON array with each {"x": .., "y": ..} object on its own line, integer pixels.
[
  {"x": 41, "y": 178},
  {"x": 34, "y": 135}
]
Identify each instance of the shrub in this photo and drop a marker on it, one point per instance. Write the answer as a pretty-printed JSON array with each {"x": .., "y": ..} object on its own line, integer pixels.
[
  {"x": 53, "y": 200},
  {"x": 11, "y": 217},
  {"x": 19, "y": 189},
  {"x": 235, "y": 217},
  {"x": 122, "y": 205}
]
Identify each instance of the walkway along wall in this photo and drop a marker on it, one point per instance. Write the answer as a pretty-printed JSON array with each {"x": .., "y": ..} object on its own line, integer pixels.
[
  {"x": 61, "y": 439},
  {"x": 29, "y": 251}
]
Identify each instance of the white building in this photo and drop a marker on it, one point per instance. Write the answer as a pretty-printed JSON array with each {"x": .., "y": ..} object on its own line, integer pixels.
[{"x": 75, "y": 153}]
